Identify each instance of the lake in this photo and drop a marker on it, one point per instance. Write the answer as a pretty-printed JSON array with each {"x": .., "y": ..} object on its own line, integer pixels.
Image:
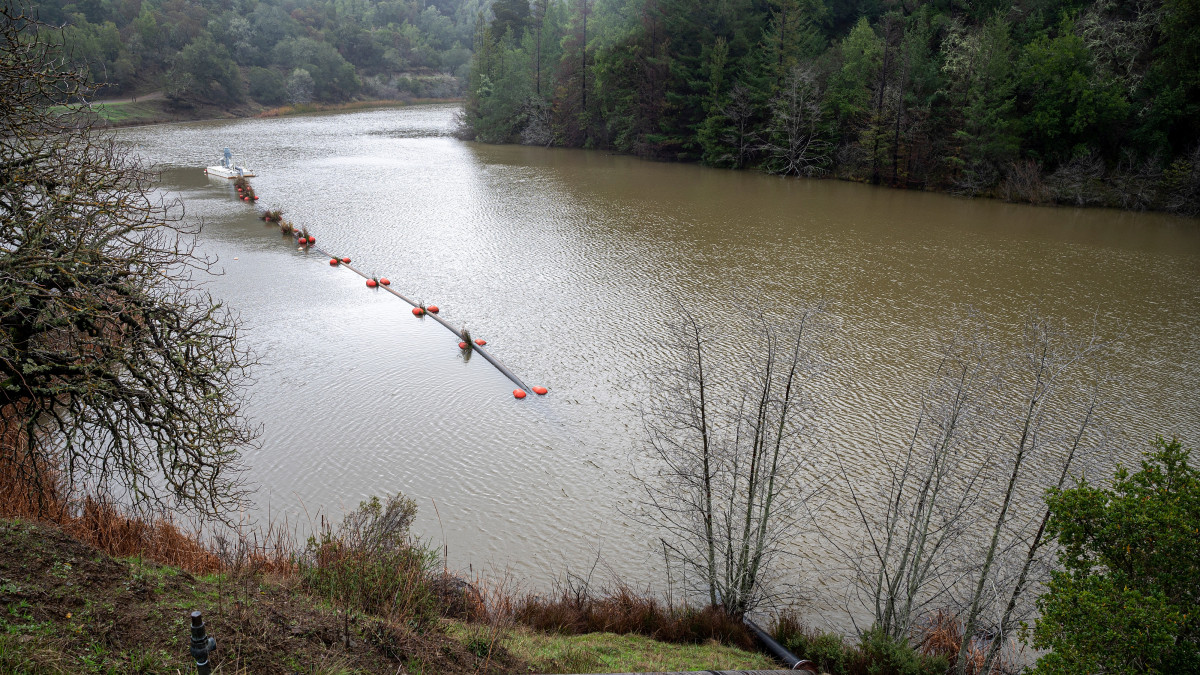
[{"x": 570, "y": 264}]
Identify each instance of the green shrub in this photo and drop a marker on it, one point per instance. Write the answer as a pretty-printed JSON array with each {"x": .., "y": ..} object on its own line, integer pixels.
[
  {"x": 828, "y": 650},
  {"x": 372, "y": 563},
  {"x": 266, "y": 86},
  {"x": 1126, "y": 599},
  {"x": 879, "y": 654}
]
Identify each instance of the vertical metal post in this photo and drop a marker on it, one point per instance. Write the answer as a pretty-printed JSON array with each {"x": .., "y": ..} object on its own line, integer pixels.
[{"x": 202, "y": 645}]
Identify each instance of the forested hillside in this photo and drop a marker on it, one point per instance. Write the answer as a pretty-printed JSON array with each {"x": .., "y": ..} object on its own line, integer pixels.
[
  {"x": 221, "y": 52},
  {"x": 1070, "y": 101}
]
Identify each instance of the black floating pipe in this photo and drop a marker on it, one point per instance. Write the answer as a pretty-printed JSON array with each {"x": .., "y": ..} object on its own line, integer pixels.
[
  {"x": 202, "y": 645},
  {"x": 508, "y": 373},
  {"x": 779, "y": 651},
  {"x": 499, "y": 366}
]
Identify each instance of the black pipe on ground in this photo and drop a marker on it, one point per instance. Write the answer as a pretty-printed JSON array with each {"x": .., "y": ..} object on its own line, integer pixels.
[
  {"x": 709, "y": 673},
  {"x": 202, "y": 645},
  {"x": 779, "y": 651}
]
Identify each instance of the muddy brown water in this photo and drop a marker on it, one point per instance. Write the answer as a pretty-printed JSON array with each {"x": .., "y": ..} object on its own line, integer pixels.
[{"x": 570, "y": 263}]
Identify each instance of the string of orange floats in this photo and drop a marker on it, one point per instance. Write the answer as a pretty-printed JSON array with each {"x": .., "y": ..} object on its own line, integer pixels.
[{"x": 418, "y": 310}]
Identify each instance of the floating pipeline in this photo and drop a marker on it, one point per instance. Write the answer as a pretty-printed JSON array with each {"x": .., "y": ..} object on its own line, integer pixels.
[
  {"x": 418, "y": 309},
  {"x": 432, "y": 312}
]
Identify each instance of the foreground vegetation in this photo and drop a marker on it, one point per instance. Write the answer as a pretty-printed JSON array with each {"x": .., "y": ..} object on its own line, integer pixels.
[
  {"x": 365, "y": 597},
  {"x": 72, "y": 608},
  {"x": 1079, "y": 102},
  {"x": 120, "y": 377}
]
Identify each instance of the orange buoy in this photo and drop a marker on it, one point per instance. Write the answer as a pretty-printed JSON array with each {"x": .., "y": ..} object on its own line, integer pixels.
[
  {"x": 519, "y": 393},
  {"x": 255, "y": 197},
  {"x": 312, "y": 239},
  {"x": 333, "y": 262},
  {"x": 417, "y": 311},
  {"x": 463, "y": 345},
  {"x": 540, "y": 391},
  {"x": 432, "y": 309},
  {"x": 302, "y": 241},
  {"x": 480, "y": 341},
  {"x": 385, "y": 281},
  {"x": 371, "y": 283},
  {"x": 345, "y": 260}
]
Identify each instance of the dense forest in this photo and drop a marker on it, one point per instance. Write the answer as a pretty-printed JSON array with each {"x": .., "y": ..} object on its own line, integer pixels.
[
  {"x": 221, "y": 52},
  {"x": 1068, "y": 101}
]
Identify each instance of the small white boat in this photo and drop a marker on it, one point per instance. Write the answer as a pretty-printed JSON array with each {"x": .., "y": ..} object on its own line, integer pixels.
[{"x": 227, "y": 169}]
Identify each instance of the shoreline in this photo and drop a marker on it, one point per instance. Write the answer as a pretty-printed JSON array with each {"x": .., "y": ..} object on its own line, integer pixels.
[{"x": 152, "y": 111}]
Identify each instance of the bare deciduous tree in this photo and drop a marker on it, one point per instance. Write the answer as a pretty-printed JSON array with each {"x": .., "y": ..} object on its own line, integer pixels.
[
  {"x": 1047, "y": 408},
  {"x": 723, "y": 457},
  {"x": 794, "y": 145},
  {"x": 915, "y": 524},
  {"x": 116, "y": 371},
  {"x": 958, "y": 523},
  {"x": 739, "y": 111}
]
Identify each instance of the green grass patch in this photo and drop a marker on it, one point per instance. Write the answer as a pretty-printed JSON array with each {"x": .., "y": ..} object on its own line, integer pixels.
[
  {"x": 608, "y": 652},
  {"x": 127, "y": 112}
]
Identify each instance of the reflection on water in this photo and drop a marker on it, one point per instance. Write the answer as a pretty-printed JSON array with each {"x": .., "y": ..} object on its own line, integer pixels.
[{"x": 569, "y": 263}]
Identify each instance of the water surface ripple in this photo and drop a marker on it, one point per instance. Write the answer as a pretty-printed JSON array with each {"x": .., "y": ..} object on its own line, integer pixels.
[{"x": 569, "y": 263}]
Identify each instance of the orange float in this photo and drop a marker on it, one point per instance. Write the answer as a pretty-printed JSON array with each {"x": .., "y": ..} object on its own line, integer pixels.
[
  {"x": 346, "y": 260},
  {"x": 312, "y": 239},
  {"x": 518, "y": 393},
  {"x": 480, "y": 341},
  {"x": 302, "y": 241},
  {"x": 540, "y": 391},
  {"x": 385, "y": 281},
  {"x": 333, "y": 262},
  {"x": 371, "y": 283},
  {"x": 463, "y": 345},
  {"x": 432, "y": 309},
  {"x": 417, "y": 311}
]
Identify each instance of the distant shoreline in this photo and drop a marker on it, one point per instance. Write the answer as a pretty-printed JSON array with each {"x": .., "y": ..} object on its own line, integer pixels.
[{"x": 156, "y": 110}]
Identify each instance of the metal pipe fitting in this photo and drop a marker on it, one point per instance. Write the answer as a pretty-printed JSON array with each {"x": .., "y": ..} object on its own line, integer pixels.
[{"x": 202, "y": 644}]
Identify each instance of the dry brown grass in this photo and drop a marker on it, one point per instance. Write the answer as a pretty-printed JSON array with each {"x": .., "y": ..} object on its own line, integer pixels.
[
  {"x": 114, "y": 529},
  {"x": 624, "y": 611},
  {"x": 941, "y": 635}
]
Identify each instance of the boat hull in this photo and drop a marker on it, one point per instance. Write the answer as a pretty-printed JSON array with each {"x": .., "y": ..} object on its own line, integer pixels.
[{"x": 222, "y": 172}]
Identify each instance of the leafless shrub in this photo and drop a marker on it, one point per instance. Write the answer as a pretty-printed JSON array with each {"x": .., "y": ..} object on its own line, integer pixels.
[
  {"x": 956, "y": 524},
  {"x": 914, "y": 526},
  {"x": 793, "y": 144},
  {"x": 1078, "y": 181},
  {"x": 720, "y": 483},
  {"x": 1135, "y": 184},
  {"x": 976, "y": 178},
  {"x": 739, "y": 113},
  {"x": 538, "y": 129},
  {"x": 1181, "y": 185},
  {"x": 1023, "y": 183}
]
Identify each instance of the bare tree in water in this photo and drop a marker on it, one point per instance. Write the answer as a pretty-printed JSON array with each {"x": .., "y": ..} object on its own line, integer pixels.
[
  {"x": 724, "y": 453},
  {"x": 958, "y": 522}
]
